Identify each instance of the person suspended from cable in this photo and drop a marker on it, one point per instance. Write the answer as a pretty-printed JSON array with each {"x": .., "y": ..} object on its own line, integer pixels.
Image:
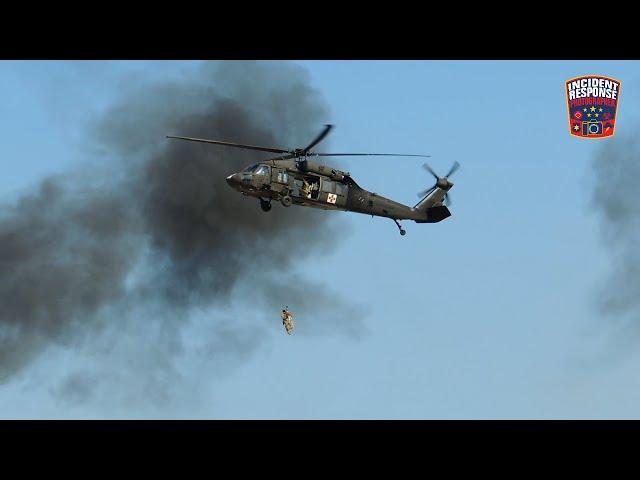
[{"x": 287, "y": 320}]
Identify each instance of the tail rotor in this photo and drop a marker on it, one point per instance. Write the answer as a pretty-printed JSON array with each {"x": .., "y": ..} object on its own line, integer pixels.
[{"x": 441, "y": 182}]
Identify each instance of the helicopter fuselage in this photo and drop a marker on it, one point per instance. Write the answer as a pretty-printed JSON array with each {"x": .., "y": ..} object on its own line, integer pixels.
[{"x": 319, "y": 186}]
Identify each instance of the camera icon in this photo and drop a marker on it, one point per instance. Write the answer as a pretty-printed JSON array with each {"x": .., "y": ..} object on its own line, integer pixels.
[{"x": 591, "y": 128}]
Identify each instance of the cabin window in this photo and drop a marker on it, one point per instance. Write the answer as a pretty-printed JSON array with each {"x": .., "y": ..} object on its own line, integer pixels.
[
  {"x": 307, "y": 187},
  {"x": 283, "y": 177}
]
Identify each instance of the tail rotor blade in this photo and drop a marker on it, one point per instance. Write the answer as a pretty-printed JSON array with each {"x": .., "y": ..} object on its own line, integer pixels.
[
  {"x": 430, "y": 170},
  {"x": 455, "y": 167},
  {"x": 426, "y": 192},
  {"x": 447, "y": 199}
]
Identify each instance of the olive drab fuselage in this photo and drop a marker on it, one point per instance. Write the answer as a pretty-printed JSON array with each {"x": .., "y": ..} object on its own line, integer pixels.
[{"x": 320, "y": 186}]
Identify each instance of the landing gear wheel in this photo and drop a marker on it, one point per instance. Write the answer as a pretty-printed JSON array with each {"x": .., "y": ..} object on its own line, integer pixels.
[
  {"x": 286, "y": 201},
  {"x": 265, "y": 205},
  {"x": 402, "y": 230}
]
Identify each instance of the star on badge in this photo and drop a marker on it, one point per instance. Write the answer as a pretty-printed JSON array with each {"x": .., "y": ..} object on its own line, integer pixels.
[
  {"x": 600, "y": 109},
  {"x": 588, "y": 114},
  {"x": 596, "y": 115},
  {"x": 584, "y": 109},
  {"x": 576, "y": 127},
  {"x": 593, "y": 109}
]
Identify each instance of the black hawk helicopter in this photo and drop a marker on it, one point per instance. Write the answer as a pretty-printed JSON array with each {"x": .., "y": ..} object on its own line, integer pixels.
[{"x": 292, "y": 178}]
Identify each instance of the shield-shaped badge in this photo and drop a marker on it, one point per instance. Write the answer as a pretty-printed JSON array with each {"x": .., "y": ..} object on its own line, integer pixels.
[{"x": 592, "y": 101}]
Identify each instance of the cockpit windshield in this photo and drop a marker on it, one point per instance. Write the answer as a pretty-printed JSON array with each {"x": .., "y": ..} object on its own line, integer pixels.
[
  {"x": 251, "y": 168},
  {"x": 263, "y": 170}
]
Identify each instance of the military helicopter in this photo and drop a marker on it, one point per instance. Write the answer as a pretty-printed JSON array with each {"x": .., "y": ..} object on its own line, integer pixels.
[{"x": 291, "y": 178}]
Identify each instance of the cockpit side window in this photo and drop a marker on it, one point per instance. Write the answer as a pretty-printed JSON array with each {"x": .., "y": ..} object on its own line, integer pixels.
[{"x": 263, "y": 170}]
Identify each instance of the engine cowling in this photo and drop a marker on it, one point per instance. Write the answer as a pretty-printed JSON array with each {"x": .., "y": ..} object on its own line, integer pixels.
[{"x": 312, "y": 167}]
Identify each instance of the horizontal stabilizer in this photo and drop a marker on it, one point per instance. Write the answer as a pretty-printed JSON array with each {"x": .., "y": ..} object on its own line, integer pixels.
[{"x": 436, "y": 214}]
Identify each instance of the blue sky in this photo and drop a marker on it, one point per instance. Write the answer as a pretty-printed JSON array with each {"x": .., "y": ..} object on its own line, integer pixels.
[{"x": 489, "y": 314}]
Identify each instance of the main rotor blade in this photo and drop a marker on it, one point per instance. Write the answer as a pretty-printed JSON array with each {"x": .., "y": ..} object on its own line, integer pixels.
[
  {"x": 365, "y": 154},
  {"x": 288, "y": 156},
  {"x": 430, "y": 170},
  {"x": 318, "y": 139},
  {"x": 229, "y": 144},
  {"x": 455, "y": 167}
]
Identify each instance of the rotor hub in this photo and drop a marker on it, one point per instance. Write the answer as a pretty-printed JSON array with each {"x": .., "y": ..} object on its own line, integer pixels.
[{"x": 444, "y": 183}]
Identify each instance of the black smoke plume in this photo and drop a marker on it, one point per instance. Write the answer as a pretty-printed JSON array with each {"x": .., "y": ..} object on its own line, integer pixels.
[
  {"x": 616, "y": 199},
  {"x": 149, "y": 233}
]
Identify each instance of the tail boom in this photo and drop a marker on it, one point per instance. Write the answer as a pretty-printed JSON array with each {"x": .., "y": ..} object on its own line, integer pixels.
[{"x": 431, "y": 209}]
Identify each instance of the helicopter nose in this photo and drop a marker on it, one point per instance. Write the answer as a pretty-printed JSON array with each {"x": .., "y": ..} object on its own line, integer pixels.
[{"x": 232, "y": 180}]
